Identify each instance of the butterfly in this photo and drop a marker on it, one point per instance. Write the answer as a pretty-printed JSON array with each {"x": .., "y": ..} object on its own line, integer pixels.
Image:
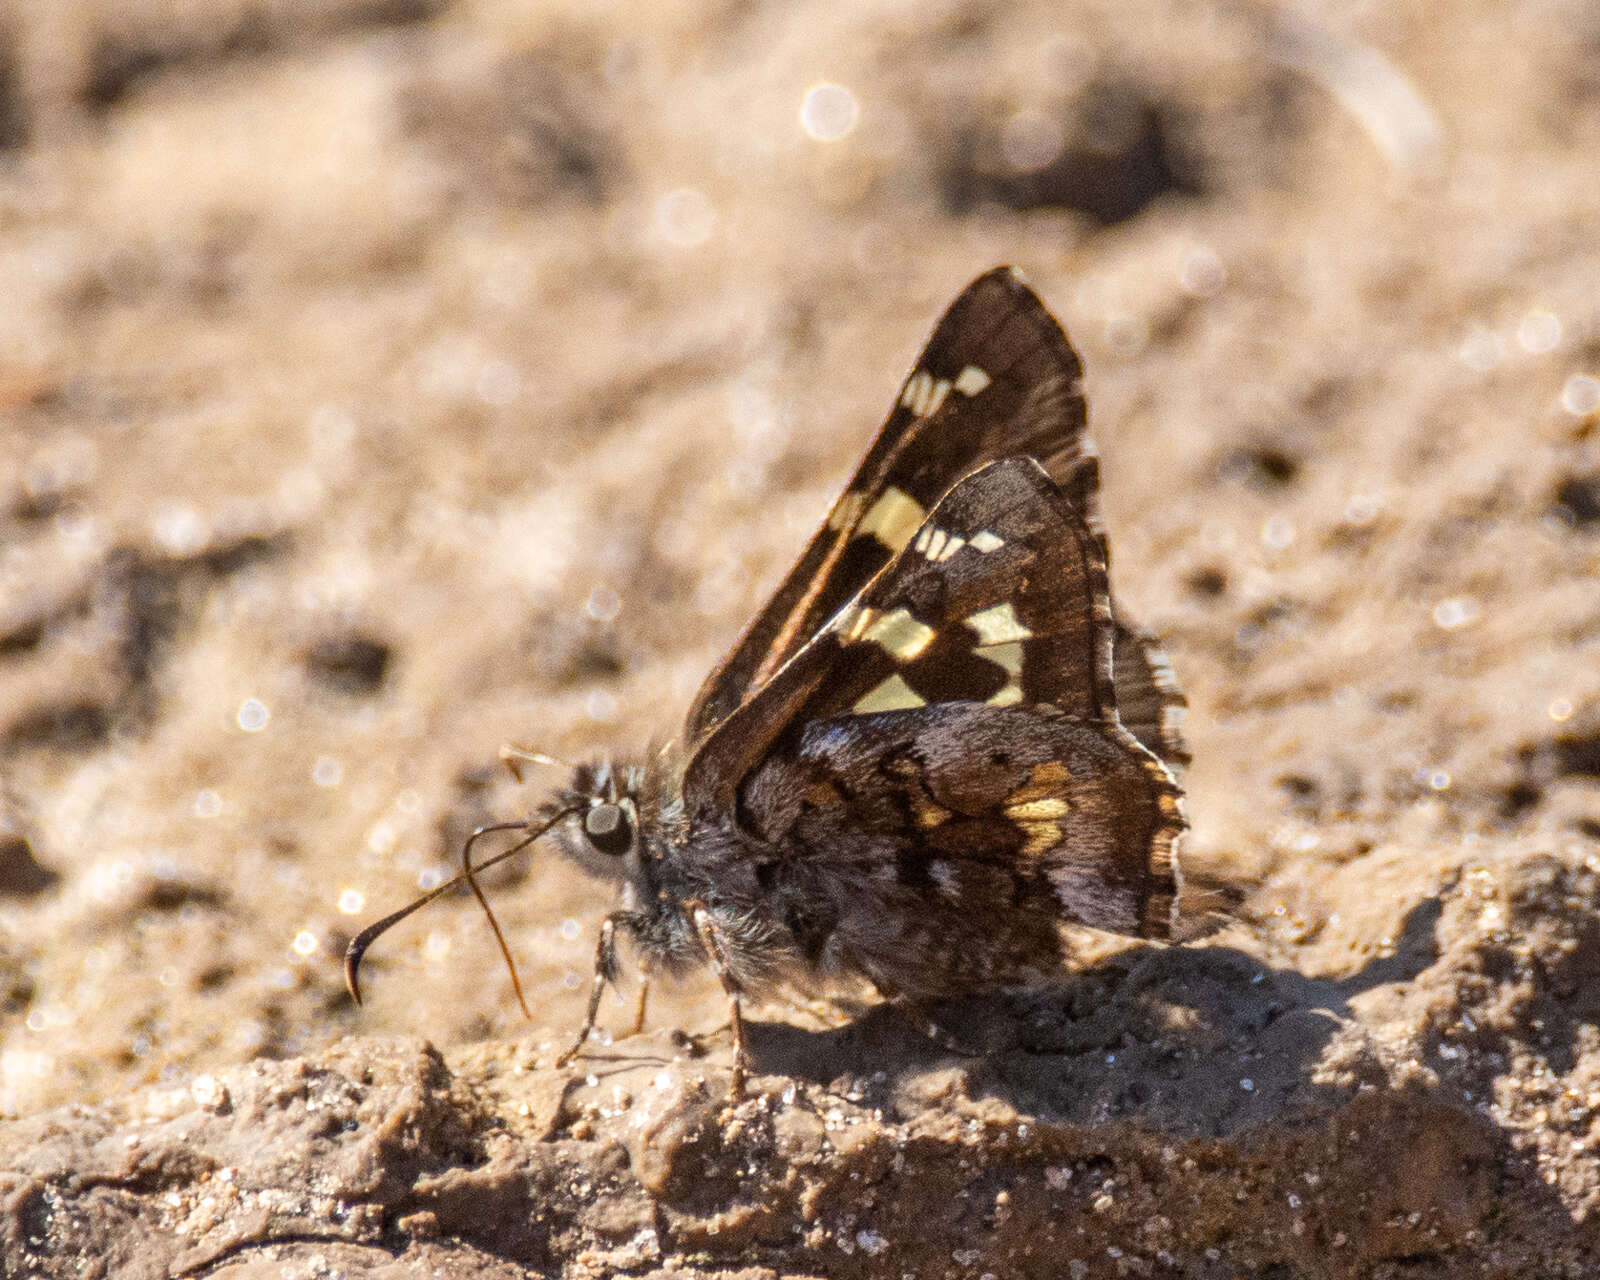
[{"x": 936, "y": 748}]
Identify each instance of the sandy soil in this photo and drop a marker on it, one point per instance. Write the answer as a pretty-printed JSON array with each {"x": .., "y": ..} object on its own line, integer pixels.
[{"x": 386, "y": 380}]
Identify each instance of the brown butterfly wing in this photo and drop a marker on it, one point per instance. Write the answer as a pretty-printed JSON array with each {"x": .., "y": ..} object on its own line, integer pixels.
[
  {"x": 997, "y": 379},
  {"x": 988, "y": 637}
]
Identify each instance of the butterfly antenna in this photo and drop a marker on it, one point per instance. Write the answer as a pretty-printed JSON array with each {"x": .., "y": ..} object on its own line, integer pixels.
[
  {"x": 471, "y": 878},
  {"x": 363, "y": 940}
]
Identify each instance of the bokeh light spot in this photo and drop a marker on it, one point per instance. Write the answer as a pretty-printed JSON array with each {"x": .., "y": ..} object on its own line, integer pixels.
[
  {"x": 1457, "y": 611},
  {"x": 1581, "y": 396},
  {"x": 829, "y": 112},
  {"x": 1277, "y": 532},
  {"x": 685, "y": 217},
  {"x": 603, "y": 604},
  {"x": 1539, "y": 332}
]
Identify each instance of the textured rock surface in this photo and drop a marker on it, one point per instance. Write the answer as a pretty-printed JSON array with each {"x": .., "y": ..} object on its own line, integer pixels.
[
  {"x": 1211, "y": 1116},
  {"x": 384, "y": 380}
]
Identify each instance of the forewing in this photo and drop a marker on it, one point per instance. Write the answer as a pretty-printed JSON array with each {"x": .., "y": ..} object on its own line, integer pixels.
[
  {"x": 997, "y": 379},
  {"x": 1000, "y": 597}
]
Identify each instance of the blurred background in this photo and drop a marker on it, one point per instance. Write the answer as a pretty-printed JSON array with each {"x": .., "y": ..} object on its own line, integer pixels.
[{"x": 385, "y": 380}]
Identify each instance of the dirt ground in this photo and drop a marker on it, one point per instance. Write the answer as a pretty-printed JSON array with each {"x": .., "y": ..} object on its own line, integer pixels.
[{"x": 386, "y": 380}]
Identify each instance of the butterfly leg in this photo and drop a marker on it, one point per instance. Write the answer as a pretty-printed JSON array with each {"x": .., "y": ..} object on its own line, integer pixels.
[
  {"x": 644, "y": 995},
  {"x": 605, "y": 970},
  {"x": 705, "y": 925}
]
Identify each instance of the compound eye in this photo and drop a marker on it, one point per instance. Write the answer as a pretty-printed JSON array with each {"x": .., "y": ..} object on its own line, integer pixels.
[{"x": 608, "y": 829}]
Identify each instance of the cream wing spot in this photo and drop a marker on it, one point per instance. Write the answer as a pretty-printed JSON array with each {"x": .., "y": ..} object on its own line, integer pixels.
[
  {"x": 929, "y": 814},
  {"x": 1007, "y": 655},
  {"x": 998, "y": 625},
  {"x": 971, "y": 380},
  {"x": 924, "y": 393},
  {"x": 1040, "y": 819},
  {"x": 938, "y": 545},
  {"x": 900, "y": 634},
  {"x": 893, "y": 694},
  {"x": 953, "y": 544},
  {"x": 984, "y": 542},
  {"x": 1048, "y": 809},
  {"x": 1042, "y": 837},
  {"x": 911, "y": 397},
  {"x": 893, "y": 518}
]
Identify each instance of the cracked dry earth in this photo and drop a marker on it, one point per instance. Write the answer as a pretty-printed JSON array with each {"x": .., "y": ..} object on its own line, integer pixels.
[{"x": 384, "y": 380}]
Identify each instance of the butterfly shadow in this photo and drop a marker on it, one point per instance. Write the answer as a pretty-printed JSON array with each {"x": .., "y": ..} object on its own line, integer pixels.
[{"x": 1188, "y": 1039}]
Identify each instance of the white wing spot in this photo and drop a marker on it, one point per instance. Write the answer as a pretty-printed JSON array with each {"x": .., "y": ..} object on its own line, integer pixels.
[
  {"x": 1007, "y": 655},
  {"x": 894, "y": 694},
  {"x": 938, "y": 544},
  {"x": 894, "y": 517},
  {"x": 923, "y": 393},
  {"x": 971, "y": 380},
  {"x": 985, "y": 542},
  {"x": 900, "y": 634},
  {"x": 918, "y": 386},
  {"x": 998, "y": 625},
  {"x": 1007, "y": 697}
]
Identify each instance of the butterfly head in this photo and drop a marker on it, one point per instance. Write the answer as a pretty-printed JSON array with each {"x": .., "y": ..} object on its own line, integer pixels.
[
  {"x": 609, "y": 827},
  {"x": 594, "y": 819},
  {"x": 605, "y": 834}
]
